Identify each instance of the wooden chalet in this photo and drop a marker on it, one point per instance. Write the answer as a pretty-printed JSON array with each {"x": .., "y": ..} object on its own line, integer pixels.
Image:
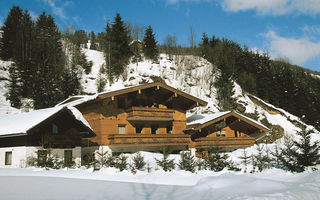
[
  {"x": 145, "y": 117},
  {"x": 60, "y": 129},
  {"x": 226, "y": 130}
]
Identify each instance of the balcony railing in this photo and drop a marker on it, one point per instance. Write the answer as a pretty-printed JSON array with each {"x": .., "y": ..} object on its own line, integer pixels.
[
  {"x": 149, "y": 114},
  {"x": 223, "y": 142},
  {"x": 148, "y": 139}
]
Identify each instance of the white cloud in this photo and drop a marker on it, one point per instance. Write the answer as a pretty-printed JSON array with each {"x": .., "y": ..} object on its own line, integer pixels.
[
  {"x": 298, "y": 51},
  {"x": 33, "y": 15},
  {"x": 1, "y": 21},
  {"x": 58, "y": 10},
  {"x": 274, "y": 7}
]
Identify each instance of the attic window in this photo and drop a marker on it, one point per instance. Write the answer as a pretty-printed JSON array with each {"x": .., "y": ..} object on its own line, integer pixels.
[{"x": 54, "y": 128}]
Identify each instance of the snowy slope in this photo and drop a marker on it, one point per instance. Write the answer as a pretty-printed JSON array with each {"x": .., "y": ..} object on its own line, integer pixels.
[{"x": 196, "y": 76}]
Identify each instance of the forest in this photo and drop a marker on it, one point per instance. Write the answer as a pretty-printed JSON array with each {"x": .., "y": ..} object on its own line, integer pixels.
[{"x": 47, "y": 64}]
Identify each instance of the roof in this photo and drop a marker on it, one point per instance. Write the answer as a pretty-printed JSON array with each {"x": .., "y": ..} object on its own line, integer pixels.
[
  {"x": 20, "y": 124},
  {"x": 200, "y": 121},
  {"x": 83, "y": 99}
]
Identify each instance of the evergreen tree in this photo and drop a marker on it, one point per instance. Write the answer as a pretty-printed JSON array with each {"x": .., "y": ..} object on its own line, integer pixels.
[
  {"x": 216, "y": 160},
  {"x": 245, "y": 159},
  {"x": 25, "y": 62},
  {"x": 187, "y": 162},
  {"x": 308, "y": 154},
  {"x": 93, "y": 44},
  {"x": 121, "y": 162},
  {"x": 138, "y": 161},
  {"x": 10, "y": 46},
  {"x": 117, "y": 49},
  {"x": 150, "y": 49},
  {"x": 14, "y": 86},
  {"x": 49, "y": 62},
  {"x": 166, "y": 164}
]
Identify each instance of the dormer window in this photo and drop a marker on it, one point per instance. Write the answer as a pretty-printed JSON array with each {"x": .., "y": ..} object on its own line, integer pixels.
[{"x": 54, "y": 129}]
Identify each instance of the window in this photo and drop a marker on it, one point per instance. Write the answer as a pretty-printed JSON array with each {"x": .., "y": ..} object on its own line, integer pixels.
[
  {"x": 223, "y": 133},
  {"x": 154, "y": 129},
  {"x": 169, "y": 129},
  {"x": 54, "y": 128},
  {"x": 218, "y": 133},
  {"x": 42, "y": 157},
  {"x": 139, "y": 128},
  {"x": 8, "y": 158},
  {"x": 235, "y": 133},
  {"x": 68, "y": 157},
  {"x": 121, "y": 129}
]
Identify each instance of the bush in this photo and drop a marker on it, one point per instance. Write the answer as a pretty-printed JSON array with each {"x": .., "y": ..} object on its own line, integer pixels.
[
  {"x": 121, "y": 162},
  {"x": 166, "y": 164},
  {"x": 138, "y": 161},
  {"x": 187, "y": 162},
  {"x": 217, "y": 161}
]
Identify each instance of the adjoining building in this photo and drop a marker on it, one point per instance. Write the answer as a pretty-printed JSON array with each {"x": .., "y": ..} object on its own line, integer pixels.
[
  {"x": 226, "y": 130},
  {"x": 32, "y": 134}
]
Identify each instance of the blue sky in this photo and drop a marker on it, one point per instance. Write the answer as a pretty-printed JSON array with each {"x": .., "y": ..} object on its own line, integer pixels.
[{"x": 288, "y": 29}]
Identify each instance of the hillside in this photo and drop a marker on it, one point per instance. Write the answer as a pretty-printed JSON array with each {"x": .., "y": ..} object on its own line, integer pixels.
[
  {"x": 190, "y": 74},
  {"x": 195, "y": 76}
]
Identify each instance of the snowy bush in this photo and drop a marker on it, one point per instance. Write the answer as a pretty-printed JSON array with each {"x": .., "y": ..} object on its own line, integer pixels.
[
  {"x": 138, "y": 161},
  {"x": 217, "y": 161},
  {"x": 166, "y": 164},
  {"x": 187, "y": 161},
  {"x": 121, "y": 162}
]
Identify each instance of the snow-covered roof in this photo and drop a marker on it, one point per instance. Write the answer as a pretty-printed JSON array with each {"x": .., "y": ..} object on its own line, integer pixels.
[
  {"x": 17, "y": 124},
  {"x": 77, "y": 100},
  {"x": 205, "y": 118}
]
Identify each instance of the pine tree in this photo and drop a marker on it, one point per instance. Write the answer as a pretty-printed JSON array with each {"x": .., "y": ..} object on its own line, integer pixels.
[
  {"x": 93, "y": 44},
  {"x": 121, "y": 162},
  {"x": 187, "y": 162},
  {"x": 217, "y": 161},
  {"x": 150, "y": 49},
  {"x": 245, "y": 159},
  {"x": 14, "y": 86},
  {"x": 307, "y": 154},
  {"x": 117, "y": 49},
  {"x": 49, "y": 61},
  {"x": 138, "y": 161},
  {"x": 166, "y": 164},
  {"x": 10, "y": 46}
]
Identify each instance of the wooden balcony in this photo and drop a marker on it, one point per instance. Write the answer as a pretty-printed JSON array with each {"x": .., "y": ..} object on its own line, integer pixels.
[
  {"x": 148, "y": 139},
  {"x": 149, "y": 114},
  {"x": 223, "y": 142}
]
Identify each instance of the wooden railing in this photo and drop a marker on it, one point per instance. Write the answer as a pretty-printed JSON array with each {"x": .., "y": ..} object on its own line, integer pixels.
[
  {"x": 223, "y": 142},
  {"x": 148, "y": 139},
  {"x": 147, "y": 114}
]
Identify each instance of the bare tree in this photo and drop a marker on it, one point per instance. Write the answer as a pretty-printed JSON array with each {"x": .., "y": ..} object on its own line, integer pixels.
[{"x": 192, "y": 37}]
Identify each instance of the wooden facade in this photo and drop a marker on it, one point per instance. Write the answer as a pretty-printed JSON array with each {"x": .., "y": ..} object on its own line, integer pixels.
[
  {"x": 150, "y": 115},
  {"x": 228, "y": 131}
]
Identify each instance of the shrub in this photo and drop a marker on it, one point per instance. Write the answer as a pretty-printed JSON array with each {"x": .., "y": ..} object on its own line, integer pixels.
[
  {"x": 166, "y": 164},
  {"x": 138, "y": 161},
  {"x": 187, "y": 162}
]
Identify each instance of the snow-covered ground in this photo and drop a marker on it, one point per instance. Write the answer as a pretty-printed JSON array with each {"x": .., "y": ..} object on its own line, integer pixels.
[{"x": 109, "y": 183}]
